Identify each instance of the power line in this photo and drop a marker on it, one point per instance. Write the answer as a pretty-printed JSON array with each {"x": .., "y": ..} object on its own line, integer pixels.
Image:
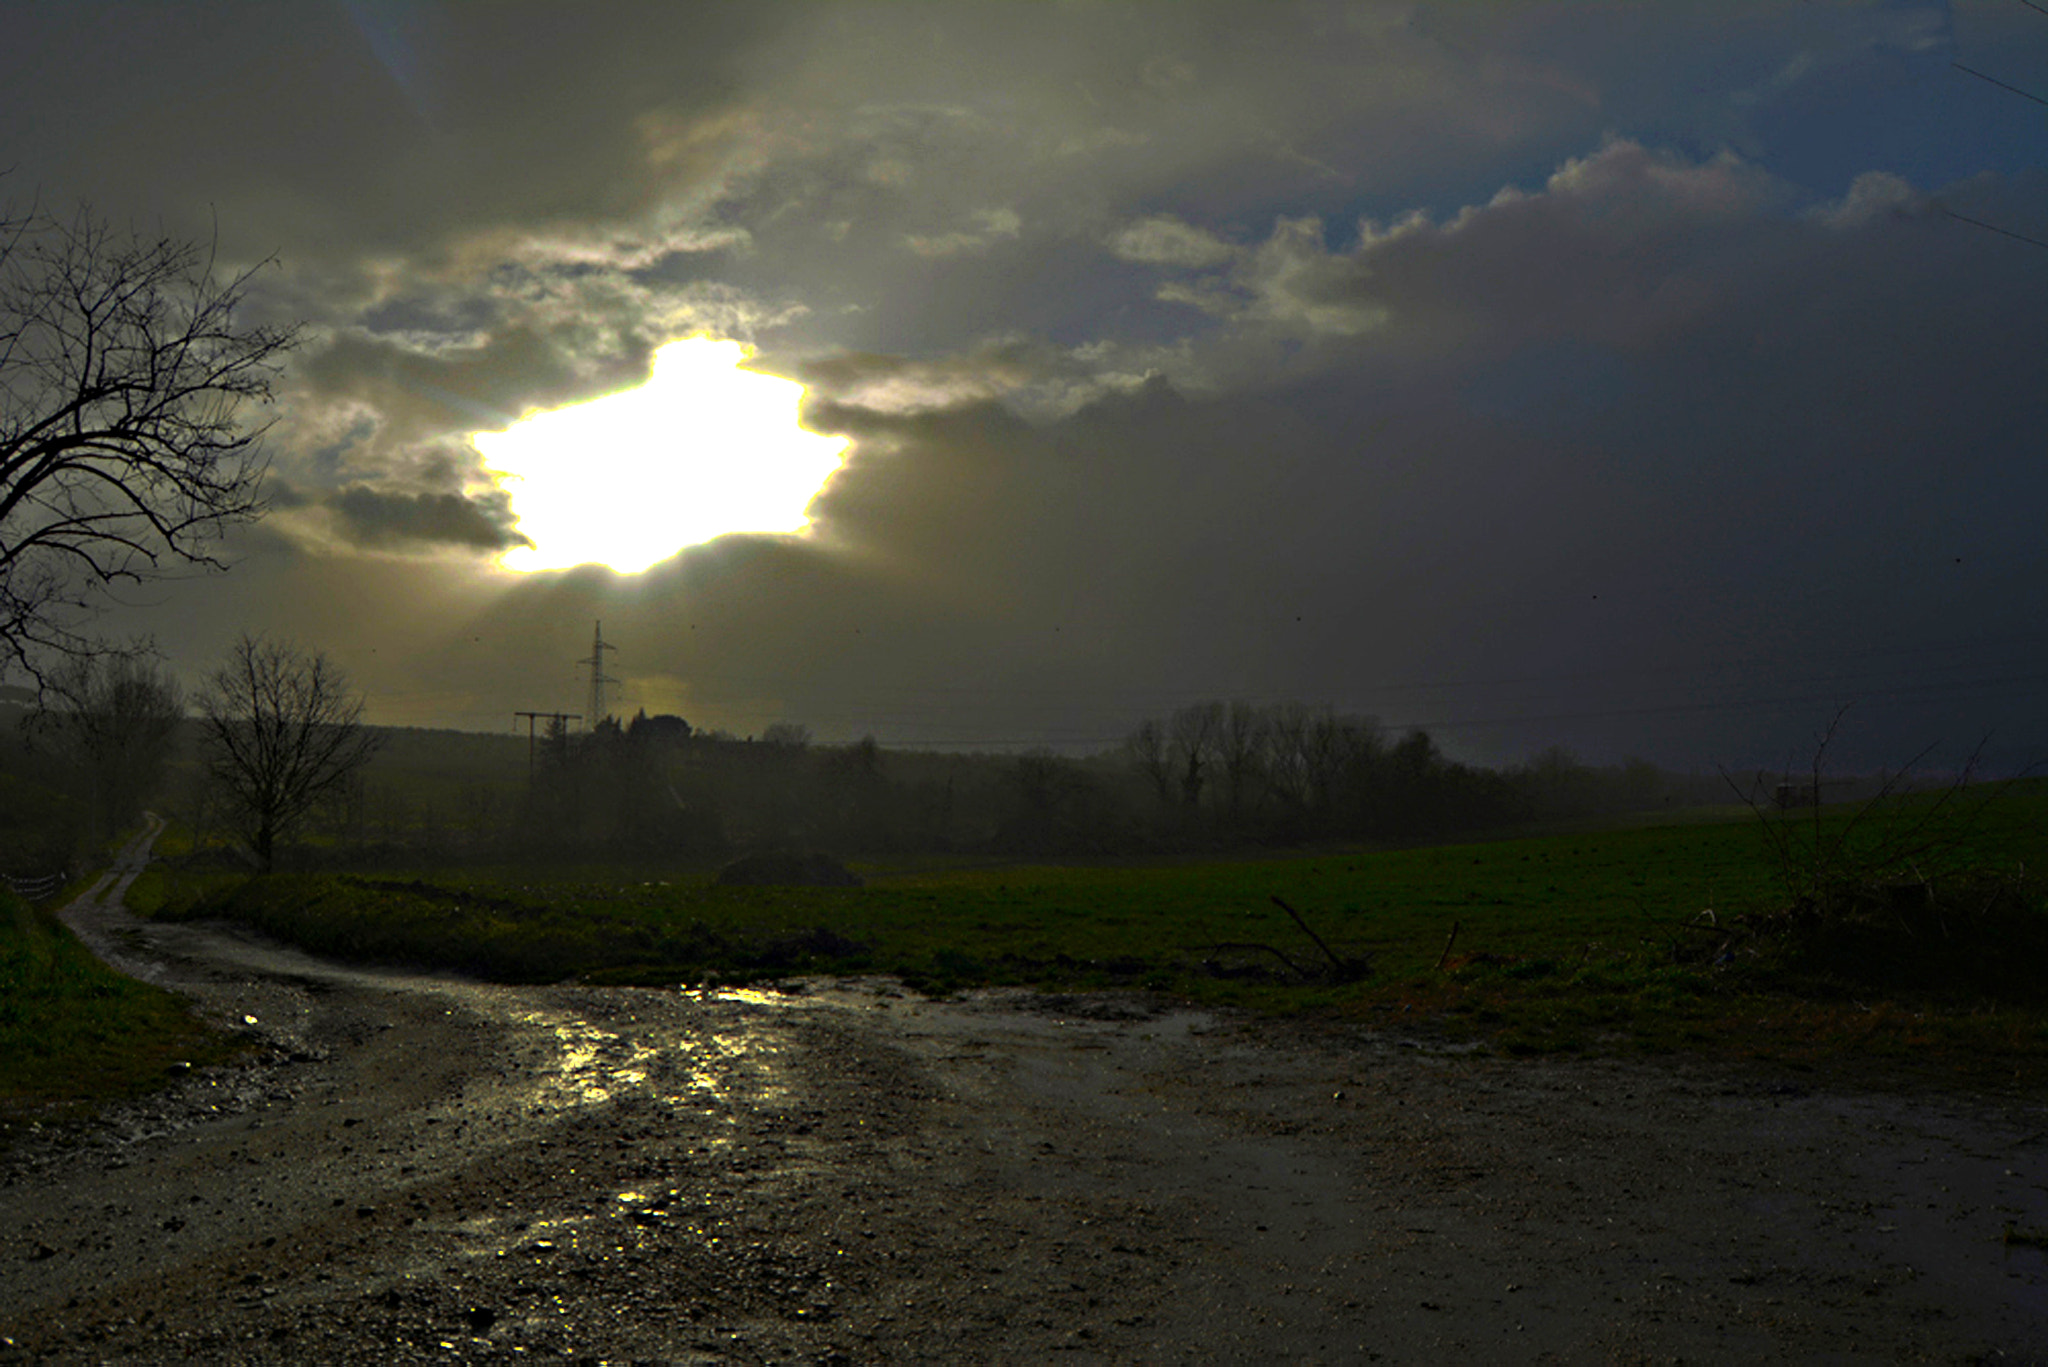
[
  {"x": 2023, "y": 94},
  {"x": 1993, "y": 228}
]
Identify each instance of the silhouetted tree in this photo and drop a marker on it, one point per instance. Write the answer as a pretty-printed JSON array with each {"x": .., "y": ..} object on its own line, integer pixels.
[
  {"x": 1192, "y": 736},
  {"x": 863, "y": 759},
  {"x": 1307, "y": 749},
  {"x": 661, "y": 729},
  {"x": 123, "y": 375},
  {"x": 1240, "y": 738},
  {"x": 1145, "y": 747},
  {"x": 786, "y": 735},
  {"x": 1335, "y": 745},
  {"x": 113, "y": 717},
  {"x": 1407, "y": 800},
  {"x": 281, "y": 728},
  {"x": 554, "y": 741},
  {"x": 1052, "y": 807}
]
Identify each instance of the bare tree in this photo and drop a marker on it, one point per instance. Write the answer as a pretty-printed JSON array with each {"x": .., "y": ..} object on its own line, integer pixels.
[
  {"x": 1290, "y": 729},
  {"x": 1240, "y": 744},
  {"x": 281, "y": 728},
  {"x": 786, "y": 735},
  {"x": 123, "y": 375},
  {"x": 1192, "y": 735},
  {"x": 113, "y": 716},
  {"x": 1145, "y": 747}
]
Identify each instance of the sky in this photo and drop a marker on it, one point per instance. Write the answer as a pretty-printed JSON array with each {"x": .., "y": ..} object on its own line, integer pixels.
[{"x": 1624, "y": 377}]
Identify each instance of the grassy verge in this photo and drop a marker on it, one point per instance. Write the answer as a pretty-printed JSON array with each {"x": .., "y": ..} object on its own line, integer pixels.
[
  {"x": 1592, "y": 940},
  {"x": 72, "y": 1031}
]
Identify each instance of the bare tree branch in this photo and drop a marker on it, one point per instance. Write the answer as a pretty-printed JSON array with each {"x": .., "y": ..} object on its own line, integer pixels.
[{"x": 124, "y": 376}]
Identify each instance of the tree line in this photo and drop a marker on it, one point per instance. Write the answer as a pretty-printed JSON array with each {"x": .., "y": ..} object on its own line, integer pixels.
[
  {"x": 1294, "y": 772},
  {"x": 1213, "y": 776},
  {"x": 276, "y": 764},
  {"x": 1235, "y": 772}
]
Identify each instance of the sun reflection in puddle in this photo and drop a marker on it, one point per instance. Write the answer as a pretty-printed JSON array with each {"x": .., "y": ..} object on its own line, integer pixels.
[
  {"x": 750, "y": 996},
  {"x": 593, "y": 1065},
  {"x": 717, "y": 1057}
]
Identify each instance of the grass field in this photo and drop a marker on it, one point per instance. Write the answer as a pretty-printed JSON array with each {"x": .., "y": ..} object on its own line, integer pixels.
[
  {"x": 1588, "y": 941},
  {"x": 72, "y": 1031}
]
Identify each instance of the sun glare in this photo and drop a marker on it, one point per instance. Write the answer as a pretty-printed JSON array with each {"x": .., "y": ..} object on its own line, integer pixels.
[{"x": 702, "y": 449}]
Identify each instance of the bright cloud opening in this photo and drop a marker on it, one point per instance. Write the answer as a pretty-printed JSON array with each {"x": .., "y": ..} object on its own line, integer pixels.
[{"x": 702, "y": 449}]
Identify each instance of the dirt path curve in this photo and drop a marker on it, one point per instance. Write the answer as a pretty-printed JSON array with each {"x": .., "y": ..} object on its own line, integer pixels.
[{"x": 414, "y": 1167}]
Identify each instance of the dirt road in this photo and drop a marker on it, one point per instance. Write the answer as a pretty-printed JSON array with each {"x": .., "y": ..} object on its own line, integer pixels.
[{"x": 415, "y": 1167}]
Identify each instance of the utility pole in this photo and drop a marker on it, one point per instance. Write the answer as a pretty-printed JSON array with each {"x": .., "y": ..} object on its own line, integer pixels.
[
  {"x": 598, "y": 678},
  {"x": 559, "y": 718}
]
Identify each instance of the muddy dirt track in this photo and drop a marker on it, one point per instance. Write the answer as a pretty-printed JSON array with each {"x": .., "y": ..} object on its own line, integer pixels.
[{"x": 420, "y": 1168}]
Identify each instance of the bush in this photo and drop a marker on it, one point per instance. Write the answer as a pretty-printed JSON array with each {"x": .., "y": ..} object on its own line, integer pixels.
[
  {"x": 1976, "y": 931},
  {"x": 1902, "y": 891}
]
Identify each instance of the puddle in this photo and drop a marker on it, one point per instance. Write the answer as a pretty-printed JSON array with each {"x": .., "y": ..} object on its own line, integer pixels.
[{"x": 593, "y": 1064}]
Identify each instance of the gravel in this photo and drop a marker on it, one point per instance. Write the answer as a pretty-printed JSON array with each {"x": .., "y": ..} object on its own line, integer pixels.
[{"x": 409, "y": 1167}]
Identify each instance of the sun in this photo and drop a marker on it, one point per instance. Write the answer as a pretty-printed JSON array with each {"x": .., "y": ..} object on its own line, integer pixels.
[{"x": 702, "y": 449}]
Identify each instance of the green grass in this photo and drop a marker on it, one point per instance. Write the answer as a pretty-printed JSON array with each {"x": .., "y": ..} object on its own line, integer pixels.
[
  {"x": 72, "y": 1031},
  {"x": 1574, "y": 941}
]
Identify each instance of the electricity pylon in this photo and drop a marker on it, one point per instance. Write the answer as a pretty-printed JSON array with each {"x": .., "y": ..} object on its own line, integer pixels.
[{"x": 598, "y": 678}]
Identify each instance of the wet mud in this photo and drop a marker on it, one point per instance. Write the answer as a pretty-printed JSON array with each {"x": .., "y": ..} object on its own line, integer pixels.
[{"x": 411, "y": 1167}]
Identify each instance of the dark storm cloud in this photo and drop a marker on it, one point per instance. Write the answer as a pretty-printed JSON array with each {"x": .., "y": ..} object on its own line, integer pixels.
[
  {"x": 365, "y": 127},
  {"x": 376, "y": 518},
  {"x": 1641, "y": 433},
  {"x": 1186, "y": 348}
]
